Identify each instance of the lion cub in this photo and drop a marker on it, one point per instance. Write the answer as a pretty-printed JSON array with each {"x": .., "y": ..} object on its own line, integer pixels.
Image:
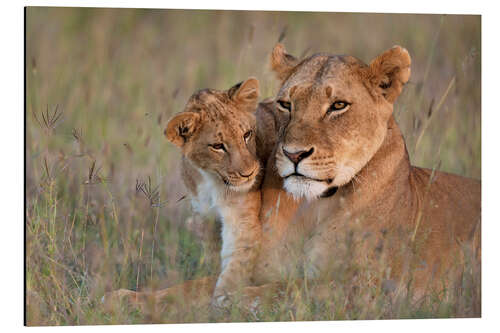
[{"x": 220, "y": 168}]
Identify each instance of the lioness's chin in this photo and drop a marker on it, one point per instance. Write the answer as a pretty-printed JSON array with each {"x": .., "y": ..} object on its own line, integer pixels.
[{"x": 302, "y": 187}]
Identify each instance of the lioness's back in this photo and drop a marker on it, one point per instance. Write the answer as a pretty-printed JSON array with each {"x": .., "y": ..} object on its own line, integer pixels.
[{"x": 451, "y": 204}]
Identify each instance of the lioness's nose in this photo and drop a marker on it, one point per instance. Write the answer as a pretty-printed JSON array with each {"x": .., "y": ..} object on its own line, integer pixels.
[{"x": 299, "y": 155}]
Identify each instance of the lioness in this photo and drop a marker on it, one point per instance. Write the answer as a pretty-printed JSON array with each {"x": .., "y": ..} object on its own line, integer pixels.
[
  {"x": 221, "y": 170},
  {"x": 342, "y": 165},
  {"x": 339, "y": 183}
]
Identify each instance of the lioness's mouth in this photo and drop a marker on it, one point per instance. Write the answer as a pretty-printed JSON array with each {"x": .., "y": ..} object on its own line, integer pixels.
[
  {"x": 298, "y": 175},
  {"x": 329, "y": 192}
]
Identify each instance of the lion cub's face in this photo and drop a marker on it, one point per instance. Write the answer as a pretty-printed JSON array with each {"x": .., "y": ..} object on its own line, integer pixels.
[
  {"x": 333, "y": 113},
  {"x": 216, "y": 133}
]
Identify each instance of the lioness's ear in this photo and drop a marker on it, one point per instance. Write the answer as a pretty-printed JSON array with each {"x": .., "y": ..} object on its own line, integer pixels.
[
  {"x": 245, "y": 94},
  {"x": 282, "y": 63},
  {"x": 390, "y": 71},
  {"x": 181, "y": 127}
]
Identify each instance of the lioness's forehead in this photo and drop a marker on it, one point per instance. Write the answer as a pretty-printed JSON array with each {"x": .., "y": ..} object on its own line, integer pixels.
[{"x": 322, "y": 68}]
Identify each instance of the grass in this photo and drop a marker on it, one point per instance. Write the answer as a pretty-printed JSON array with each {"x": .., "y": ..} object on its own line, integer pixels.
[{"x": 105, "y": 206}]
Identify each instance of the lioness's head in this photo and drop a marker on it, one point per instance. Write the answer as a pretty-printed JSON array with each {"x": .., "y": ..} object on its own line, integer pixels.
[
  {"x": 216, "y": 132},
  {"x": 332, "y": 112}
]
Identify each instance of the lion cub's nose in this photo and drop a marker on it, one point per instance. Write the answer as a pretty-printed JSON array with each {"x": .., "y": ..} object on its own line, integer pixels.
[{"x": 298, "y": 156}]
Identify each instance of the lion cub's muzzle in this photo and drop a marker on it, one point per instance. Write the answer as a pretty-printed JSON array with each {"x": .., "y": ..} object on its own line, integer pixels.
[{"x": 241, "y": 180}]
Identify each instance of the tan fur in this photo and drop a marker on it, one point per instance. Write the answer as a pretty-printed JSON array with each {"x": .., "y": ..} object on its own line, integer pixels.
[
  {"x": 224, "y": 181},
  {"x": 385, "y": 212}
]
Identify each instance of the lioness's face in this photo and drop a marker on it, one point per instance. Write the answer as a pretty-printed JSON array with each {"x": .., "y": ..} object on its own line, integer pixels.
[
  {"x": 216, "y": 132},
  {"x": 332, "y": 112}
]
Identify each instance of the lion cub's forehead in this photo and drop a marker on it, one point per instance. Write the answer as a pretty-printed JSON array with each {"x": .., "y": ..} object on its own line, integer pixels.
[
  {"x": 228, "y": 131},
  {"x": 321, "y": 70},
  {"x": 220, "y": 118},
  {"x": 207, "y": 98},
  {"x": 216, "y": 106}
]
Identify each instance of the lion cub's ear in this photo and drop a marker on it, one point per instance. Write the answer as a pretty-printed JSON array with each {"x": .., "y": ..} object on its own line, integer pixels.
[
  {"x": 181, "y": 127},
  {"x": 245, "y": 94},
  {"x": 282, "y": 63},
  {"x": 390, "y": 71}
]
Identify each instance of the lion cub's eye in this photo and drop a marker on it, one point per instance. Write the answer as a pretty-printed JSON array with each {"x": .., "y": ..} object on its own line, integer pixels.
[
  {"x": 338, "y": 106},
  {"x": 218, "y": 146},
  {"x": 247, "y": 136},
  {"x": 285, "y": 105}
]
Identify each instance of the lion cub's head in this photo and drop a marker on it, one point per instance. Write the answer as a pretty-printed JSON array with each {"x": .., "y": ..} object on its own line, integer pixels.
[
  {"x": 216, "y": 133},
  {"x": 332, "y": 112}
]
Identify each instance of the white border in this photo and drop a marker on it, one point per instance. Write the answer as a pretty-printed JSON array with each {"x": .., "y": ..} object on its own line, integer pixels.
[{"x": 12, "y": 156}]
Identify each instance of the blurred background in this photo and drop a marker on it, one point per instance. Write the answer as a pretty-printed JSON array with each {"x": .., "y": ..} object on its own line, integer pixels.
[{"x": 105, "y": 206}]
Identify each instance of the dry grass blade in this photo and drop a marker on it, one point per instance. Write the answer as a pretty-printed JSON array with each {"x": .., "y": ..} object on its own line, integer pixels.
[
  {"x": 129, "y": 149},
  {"x": 431, "y": 108},
  {"x": 49, "y": 120},
  {"x": 77, "y": 134},
  {"x": 47, "y": 177},
  {"x": 150, "y": 192},
  {"x": 176, "y": 92},
  {"x": 50, "y": 172},
  {"x": 282, "y": 34},
  {"x": 36, "y": 119},
  {"x": 427, "y": 188},
  {"x": 432, "y": 111},
  {"x": 181, "y": 198},
  {"x": 46, "y": 167},
  {"x": 305, "y": 52},
  {"x": 91, "y": 171},
  {"x": 94, "y": 176}
]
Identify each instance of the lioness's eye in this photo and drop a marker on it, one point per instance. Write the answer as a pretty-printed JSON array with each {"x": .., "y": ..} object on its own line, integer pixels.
[
  {"x": 285, "y": 105},
  {"x": 218, "y": 146},
  {"x": 247, "y": 136},
  {"x": 337, "y": 106}
]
